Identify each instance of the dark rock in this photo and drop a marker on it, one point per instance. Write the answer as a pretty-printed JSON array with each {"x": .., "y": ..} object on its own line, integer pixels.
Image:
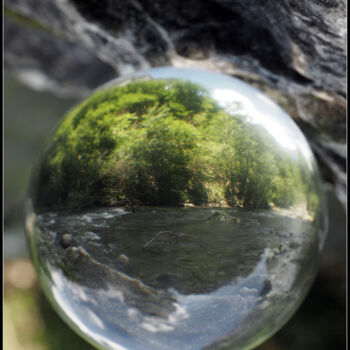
[
  {"x": 266, "y": 289},
  {"x": 293, "y": 50}
]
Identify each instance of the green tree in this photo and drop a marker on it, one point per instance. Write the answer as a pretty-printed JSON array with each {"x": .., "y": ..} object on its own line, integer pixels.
[{"x": 165, "y": 142}]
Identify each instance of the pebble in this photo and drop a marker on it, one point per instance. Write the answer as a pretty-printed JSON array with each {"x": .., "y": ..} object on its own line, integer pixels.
[
  {"x": 122, "y": 260},
  {"x": 66, "y": 240}
]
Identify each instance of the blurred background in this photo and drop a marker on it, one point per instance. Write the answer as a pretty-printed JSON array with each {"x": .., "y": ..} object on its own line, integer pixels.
[{"x": 29, "y": 321}]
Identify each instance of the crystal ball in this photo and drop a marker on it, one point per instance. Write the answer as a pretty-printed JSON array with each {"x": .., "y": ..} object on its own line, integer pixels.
[{"x": 176, "y": 209}]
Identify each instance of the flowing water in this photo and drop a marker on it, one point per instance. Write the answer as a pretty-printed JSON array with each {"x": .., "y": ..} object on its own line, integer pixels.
[{"x": 174, "y": 278}]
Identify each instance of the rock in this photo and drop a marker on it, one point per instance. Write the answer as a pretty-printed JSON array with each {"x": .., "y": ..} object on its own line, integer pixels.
[
  {"x": 56, "y": 64},
  {"x": 122, "y": 260},
  {"x": 293, "y": 50},
  {"x": 66, "y": 240},
  {"x": 86, "y": 271}
]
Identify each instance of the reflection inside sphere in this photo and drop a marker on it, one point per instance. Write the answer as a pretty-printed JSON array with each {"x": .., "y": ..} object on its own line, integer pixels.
[{"x": 176, "y": 209}]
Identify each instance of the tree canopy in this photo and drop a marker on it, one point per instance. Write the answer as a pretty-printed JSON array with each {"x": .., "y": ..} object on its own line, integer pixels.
[{"x": 166, "y": 143}]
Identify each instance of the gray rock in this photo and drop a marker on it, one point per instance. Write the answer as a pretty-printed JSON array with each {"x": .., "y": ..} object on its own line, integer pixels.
[
  {"x": 66, "y": 240},
  {"x": 293, "y": 50},
  {"x": 45, "y": 62},
  {"x": 83, "y": 269}
]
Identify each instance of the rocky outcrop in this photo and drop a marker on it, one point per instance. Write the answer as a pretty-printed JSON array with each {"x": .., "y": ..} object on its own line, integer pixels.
[{"x": 293, "y": 50}]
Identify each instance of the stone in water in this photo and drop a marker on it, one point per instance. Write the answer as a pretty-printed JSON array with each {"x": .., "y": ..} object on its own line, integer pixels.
[{"x": 176, "y": 209}]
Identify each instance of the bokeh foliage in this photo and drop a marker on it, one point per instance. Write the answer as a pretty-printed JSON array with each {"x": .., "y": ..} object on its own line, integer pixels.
[{"x": 166, "y": 142}]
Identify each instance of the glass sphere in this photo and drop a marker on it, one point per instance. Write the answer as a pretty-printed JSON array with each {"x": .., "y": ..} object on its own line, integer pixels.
[{"x": 176, "y": 209}]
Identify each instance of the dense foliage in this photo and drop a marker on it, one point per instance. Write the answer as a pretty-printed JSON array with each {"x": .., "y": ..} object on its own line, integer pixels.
[{"x": 166, "y": 142}]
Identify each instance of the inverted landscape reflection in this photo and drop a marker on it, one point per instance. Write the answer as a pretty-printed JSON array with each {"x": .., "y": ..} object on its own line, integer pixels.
[{"x": 176, "y": 209}]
